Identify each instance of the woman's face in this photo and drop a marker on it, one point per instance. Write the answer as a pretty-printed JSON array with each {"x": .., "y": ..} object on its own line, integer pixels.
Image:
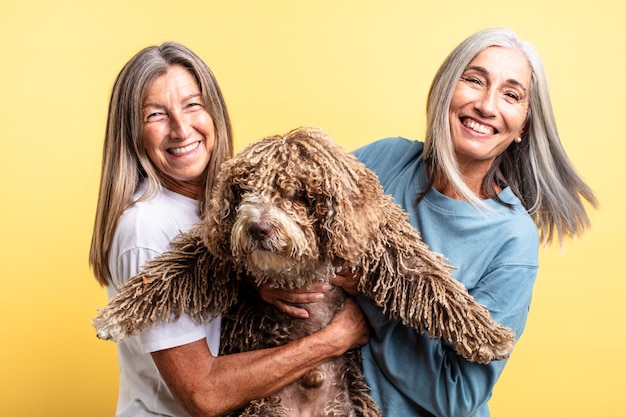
[
  {"x": 489, "y": 107},
  {"x": 177, "y": 130}
]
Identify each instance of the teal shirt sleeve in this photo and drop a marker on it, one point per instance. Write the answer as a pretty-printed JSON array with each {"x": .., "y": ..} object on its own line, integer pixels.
[{"x": 411, "y": 374}]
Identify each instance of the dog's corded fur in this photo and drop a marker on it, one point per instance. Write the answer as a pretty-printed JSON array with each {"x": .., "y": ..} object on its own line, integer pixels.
[{"x": 290, "y": 211}]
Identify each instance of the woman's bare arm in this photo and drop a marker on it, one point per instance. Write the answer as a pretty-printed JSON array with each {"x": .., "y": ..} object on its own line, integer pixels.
[{"x": 211, "y": 386}]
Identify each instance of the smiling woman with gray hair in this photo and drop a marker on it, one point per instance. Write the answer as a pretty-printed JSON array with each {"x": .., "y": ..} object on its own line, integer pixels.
[{"x": 490, "y": 172}]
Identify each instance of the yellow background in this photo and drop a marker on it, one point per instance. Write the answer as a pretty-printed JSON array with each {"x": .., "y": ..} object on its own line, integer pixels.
[{"x": 359, "y": 69}]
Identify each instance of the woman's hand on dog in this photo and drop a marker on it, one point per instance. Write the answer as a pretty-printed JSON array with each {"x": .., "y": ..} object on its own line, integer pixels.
[
  {"x": 348, "y": 329},
  {"x": 350, "y": 325},
  {"x": 348, "y": 281},
  {"x": 287, "y": 301}
]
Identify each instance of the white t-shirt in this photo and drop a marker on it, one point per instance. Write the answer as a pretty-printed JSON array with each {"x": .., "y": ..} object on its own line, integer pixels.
[{"x": 143, "y": 232}]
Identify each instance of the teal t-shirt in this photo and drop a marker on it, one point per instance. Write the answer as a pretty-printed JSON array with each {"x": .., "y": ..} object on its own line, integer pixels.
[{"x": 496, "y": 255}]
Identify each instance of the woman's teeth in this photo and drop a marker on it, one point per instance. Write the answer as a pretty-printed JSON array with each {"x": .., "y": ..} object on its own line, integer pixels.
[
  {"x": 477, "y": 127},
  {"x": 184, "y": 149}
]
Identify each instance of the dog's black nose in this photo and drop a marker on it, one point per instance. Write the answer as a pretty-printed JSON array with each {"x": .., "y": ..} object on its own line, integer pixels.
[{"x": 259, "y": 230}]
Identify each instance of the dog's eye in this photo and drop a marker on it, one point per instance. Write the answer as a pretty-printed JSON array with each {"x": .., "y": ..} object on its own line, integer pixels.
[
  {"x": 299, "y": 199},
  {"x": 289, "y": 193}
]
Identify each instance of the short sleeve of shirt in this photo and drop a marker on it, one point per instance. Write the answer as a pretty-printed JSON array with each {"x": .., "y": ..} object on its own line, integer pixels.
[{"x": 180, "y": 332}]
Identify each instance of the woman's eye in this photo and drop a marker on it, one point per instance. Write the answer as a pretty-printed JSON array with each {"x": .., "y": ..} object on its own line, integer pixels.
[
  {"x": 194, "y": 105},
  {"x": 513, "y": 96},
  {"x": 471, "y": 80},
  {"x": 155, "y": 117}
]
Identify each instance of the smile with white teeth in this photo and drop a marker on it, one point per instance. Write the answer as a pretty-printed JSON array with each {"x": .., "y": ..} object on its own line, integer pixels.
[
  {"x": 477, "y": 127},
  {"x": 184, "y": 149}
]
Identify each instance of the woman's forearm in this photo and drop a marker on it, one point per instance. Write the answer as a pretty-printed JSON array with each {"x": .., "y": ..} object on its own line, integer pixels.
[{"x": 211, "y": 386}]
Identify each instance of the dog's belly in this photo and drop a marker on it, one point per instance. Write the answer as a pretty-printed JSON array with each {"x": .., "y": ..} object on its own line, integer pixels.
[
  {"x": 322, "y": 392},
  {"x": 253, "y": 324}
]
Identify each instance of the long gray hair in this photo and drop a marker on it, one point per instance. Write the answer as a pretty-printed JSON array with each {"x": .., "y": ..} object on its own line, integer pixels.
[
  {"x": 125, "y": 162},
  {"x": 537, "y": 169}
]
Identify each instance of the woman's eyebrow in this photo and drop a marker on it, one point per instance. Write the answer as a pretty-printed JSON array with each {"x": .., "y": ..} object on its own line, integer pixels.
[
  {"x": 484, "y": 71},
  {"x": 190, "y": 96}
]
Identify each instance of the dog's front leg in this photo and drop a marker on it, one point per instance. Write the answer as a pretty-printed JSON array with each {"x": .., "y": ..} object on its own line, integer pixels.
[
  {"x": 417, "y": 287},
  {"x": 187, "y": 279}
]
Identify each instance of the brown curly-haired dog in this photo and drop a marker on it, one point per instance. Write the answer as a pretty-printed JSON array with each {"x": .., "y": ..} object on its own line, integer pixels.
[{"x": 290, "y": 211}]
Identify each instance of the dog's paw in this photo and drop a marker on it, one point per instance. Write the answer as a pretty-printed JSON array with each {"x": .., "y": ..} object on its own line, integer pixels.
[
  {"x": 497, "y": 351},
  {"x": 105, "y": 331},
  {"x": 496, "y": 346},
  {"x": 103, "y": 334}
]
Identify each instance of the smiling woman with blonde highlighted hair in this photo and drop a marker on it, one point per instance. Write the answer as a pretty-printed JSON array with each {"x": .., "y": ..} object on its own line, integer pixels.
[
  {"x": 125, "y": 160},
  {"x": 168, "y": 133}
]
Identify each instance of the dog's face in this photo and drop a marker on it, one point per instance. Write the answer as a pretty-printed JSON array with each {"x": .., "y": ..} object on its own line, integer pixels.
[
  {"x": 275, "y": 233},
  {"x": 292, "y": 206}
]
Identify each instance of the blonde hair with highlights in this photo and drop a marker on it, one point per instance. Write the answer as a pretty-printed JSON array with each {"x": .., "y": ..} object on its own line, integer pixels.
[{"x": 125, "y": 162}]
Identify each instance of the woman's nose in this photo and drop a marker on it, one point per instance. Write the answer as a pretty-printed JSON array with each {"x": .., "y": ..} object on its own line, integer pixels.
[
  {"x": 486, "y": 103},
  {"x": 179, "y": 126}
]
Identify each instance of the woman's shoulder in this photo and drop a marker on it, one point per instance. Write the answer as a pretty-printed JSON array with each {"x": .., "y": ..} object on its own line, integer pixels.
[
  {"x": 145, "y": 222},
  {"x": 387, "y": 155},
  {"x": 155, "y": 220},
  {"x": 389, "y": 147},
  {"x": 518, "y": 227}
]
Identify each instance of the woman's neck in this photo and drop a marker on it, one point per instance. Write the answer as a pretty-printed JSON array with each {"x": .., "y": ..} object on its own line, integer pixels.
[
  {"x": 191, "y": 189},
  {"x": 474, "y": 183}
]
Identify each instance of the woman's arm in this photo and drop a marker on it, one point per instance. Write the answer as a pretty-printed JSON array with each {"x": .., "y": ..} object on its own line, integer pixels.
[
  {"x": 211, "y": 386},
  {"x": 429, "y": 374}
]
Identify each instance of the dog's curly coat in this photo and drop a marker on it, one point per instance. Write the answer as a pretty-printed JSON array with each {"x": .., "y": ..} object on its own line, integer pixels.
[{"x": 290, "y": 211}]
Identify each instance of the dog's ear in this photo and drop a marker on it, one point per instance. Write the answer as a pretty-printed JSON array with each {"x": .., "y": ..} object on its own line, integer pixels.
[
  {"x": 346, "y": 194},
  {"x": 354, "y": 212},
  {"x": 219, "y": 214}
]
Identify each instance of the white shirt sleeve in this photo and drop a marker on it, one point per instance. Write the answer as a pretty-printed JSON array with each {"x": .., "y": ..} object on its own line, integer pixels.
[{"x": 180, "y": 332}]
